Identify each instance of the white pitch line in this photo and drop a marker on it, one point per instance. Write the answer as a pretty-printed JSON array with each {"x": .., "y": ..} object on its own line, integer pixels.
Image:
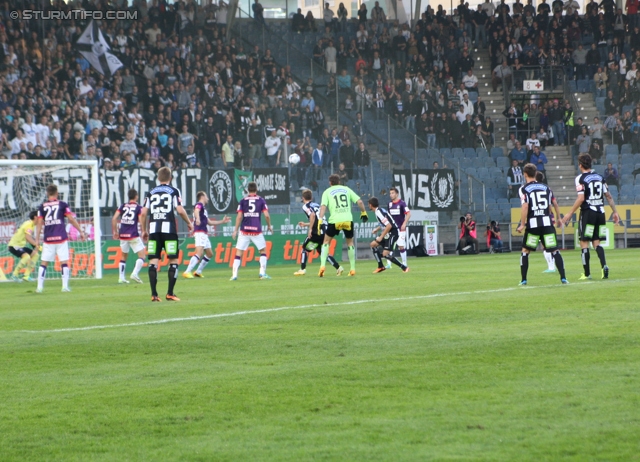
[{"x": 299, "y": 307}]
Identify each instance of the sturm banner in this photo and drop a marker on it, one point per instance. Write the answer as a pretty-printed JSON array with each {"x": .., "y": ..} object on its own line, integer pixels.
[
  {"x": 429, "y": 190},
  {"x": 273, "y": 185}
]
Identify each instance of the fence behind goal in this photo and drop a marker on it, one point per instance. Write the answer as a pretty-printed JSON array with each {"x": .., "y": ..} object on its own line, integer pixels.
[{"x": 23, "y": 187}]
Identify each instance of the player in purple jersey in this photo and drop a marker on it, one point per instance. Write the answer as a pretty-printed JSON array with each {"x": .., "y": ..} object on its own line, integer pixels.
[
  {"x": 130, "y": 215},
  {"x": 201, "y": 234},
  {"x": 249, "y": 224},
  {"x": 401, "y": 216},
  {"x": 51, "y": 217}
]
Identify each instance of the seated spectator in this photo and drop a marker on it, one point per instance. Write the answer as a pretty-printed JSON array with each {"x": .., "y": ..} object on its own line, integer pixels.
[
  {"x": 515, "y": 179},
  {"x": 595, "y": 151},
  {"x": 518, "y": 153},
  {"x": 342, "y": 173},
  {"x": 539, "y": 159},
  {"x": 494, "y": 238},
  {"x": 611, "y": 175},
  {"x": 468, "y": 235},
  {"x": 543, "y": 137},
  {"x": 532, "y": 141}
]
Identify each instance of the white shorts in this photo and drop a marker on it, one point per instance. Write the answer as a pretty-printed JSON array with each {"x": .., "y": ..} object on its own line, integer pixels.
[
  {"x": 202, "y": 240},
  {"x": 245, "y": 239},
  {"x": 50, "y": 251},
  {"x": 402, "y": 239},
  {"x": 134, "y": 244}
]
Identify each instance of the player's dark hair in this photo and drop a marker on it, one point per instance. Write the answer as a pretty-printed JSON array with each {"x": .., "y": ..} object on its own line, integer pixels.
[
  {"x": 393, "y": 188},
  {"x": 530, "y": 170},
  {"x": 584, "y": 159},
  {"x": 52, "y": 190},
  {"x": 33, "y": 214},
  {"x": 373, "y": 202},
  {"x": 334, "y": 179},
  {"x": 132, "y": 194},
  {"x": 539, "y": 176},
  {"x": 252, "y": 187},
  {"x": 307, "y": 195},
  {"x": 164, "y": 174},
  {"x": 199, "y": 195}
]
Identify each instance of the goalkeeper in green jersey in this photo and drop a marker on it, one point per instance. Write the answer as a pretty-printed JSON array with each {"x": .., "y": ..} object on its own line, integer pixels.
[{"x": 338, "y": 200}]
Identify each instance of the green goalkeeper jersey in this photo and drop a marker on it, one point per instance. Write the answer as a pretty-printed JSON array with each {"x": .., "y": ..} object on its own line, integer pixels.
[{"x": 338, "y": 199}]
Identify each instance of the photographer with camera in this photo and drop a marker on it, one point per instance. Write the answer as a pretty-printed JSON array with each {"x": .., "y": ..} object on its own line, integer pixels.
[
  {"x": 494, "y": 239},
  {"x": 468, "y": 235}
]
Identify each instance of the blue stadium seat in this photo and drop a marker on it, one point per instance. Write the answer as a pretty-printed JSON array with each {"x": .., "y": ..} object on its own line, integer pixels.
[
  {"x": 626, "y": 200},
  {"x": 470, "y": 153},
  {"x": 626, "y": 178},
  {"x": 497, "y": 152},
  {"x": 482, "y": 152},
  {"x": 503, "y": 163},
  {"x": 488, "y": 162},
  {"x": 458, "y": 153},
  {"x": 626, "y": 149},
  {"x": 610, "y": 149}
]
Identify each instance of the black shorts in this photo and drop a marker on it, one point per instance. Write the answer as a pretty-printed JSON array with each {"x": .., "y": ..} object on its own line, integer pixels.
[
  {"x": 20, "y": 251},
  {"x": 389, "y": 243},
  {"x": 546, "y": 234},
  {"x": 313, "y": 243},
  {"x": 159, "y": 241},
  {"x": 333, "y": 229},
  {"x": 592, "y": 225}
]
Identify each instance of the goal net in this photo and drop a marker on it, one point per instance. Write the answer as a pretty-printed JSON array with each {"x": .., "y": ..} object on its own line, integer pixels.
[{"x": 23, "y": 187}]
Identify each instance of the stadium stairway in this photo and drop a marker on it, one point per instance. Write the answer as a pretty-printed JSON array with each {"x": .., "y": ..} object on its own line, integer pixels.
[{"x": 561, "y": 174}]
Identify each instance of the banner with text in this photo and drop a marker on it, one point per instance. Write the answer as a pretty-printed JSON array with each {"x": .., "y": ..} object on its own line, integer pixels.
[
  {"x": 281, "y": 249},
  {"x": 273, "y": 185},
  {"x": 430, "y": 190}
]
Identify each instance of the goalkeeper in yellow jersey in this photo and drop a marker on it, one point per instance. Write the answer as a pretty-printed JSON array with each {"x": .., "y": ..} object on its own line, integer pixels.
[{"x": 28, "y": 256}]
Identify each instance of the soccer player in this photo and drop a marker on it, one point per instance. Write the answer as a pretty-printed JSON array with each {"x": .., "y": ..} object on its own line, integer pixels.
[
  {"x": 384, "y": 244},
  {"x": 51, "y": 216},
  {"x": 249, "y": 223},
  {"x": 162, "y": 203},
  {"x": 201, "y": 234},
  {"x": 18, "y": 247},
  {"x": 338, "y": 199},
  {"x": 551, "y": 264},
  {"x": 315, "y": 237},
  {"x": 592, "y": 189},
  {"x": 129, "y": 214},
  {"x": 401, "y": 216},
  {"x": 535, "y": 221}
]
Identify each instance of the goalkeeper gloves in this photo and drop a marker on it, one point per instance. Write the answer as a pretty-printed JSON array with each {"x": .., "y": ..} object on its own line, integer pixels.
[{"x": 364, "y": 217}]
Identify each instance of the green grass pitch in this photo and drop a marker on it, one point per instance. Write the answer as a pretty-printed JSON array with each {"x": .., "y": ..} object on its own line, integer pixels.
[{"x": 451, "y": 361}]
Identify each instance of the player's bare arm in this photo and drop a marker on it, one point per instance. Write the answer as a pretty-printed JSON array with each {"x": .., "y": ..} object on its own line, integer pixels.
[
  {"x": 576, "y": 205},
  {"x": 612, "y": 204},
  {"x": 378, "y": 240},
  {"x": 76, "y": 225},
  {"x": 143, "y": 223},
  {"x": 213, "y": 222},
  {"x": 267, "y": 218},
  {"x": 38, "y": 230},
  {"x": 407, "y": 217},
  {"x": 557, "y": 211},
  {"x": 323, "y": 210},
  {"x": 523, "y": 217},
  {"x": 312, "y": 220},
  {"x": 182, "y": 212},
  {"x": 375, "y": 230},
  {"x": 237, "y": 227},
  {"x": 114, "y": 225}
]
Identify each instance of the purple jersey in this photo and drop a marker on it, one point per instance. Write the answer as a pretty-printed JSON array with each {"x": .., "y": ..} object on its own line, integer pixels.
[
  {"x": 251, "y": 207},
  {"x": 129, "y": 216},
  {"x": 398, "y": 211},
  {"x": 201, "y": 210},
  {"x": 53, "y": 213}
]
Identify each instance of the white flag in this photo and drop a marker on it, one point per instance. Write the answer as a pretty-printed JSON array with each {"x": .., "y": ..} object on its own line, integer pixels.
[{"x": 95, "y": 49}]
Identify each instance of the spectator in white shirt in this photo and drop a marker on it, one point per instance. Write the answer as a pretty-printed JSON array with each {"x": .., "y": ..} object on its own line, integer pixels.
[
  {"x": 29, "y": 129},
  {"x": 532, "y": 141},
  {"x": 470, "y": 81},
  {"x": 272, "y": 145}
]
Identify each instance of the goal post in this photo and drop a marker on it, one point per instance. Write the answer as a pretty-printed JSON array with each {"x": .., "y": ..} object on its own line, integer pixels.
[{"x": 23, "y": 186}]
